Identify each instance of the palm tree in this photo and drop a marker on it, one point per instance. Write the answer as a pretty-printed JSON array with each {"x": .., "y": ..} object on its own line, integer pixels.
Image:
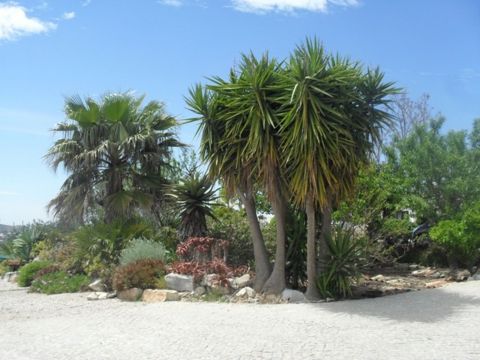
[
  {"x": 115, "y": 151},
  {"x": 251, "y": 107},
  {"x": 325, "y": 137},
  {"x": 223, "y": 156}
]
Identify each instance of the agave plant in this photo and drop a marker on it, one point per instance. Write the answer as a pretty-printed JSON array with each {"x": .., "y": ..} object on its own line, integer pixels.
[{"x": 341, "y": 267}]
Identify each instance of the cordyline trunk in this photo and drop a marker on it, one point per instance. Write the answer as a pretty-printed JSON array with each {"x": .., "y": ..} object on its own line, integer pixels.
[
  {"x": 276, "y": 282},
  {"x": 325, "y": 233},
  {"x": 312, "y": 291},
  {"x": 262, "y": 265}
]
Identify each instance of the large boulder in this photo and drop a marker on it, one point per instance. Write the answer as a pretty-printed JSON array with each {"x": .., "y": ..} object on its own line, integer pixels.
[
  {"x": 152, "y": 296},
  {"x": 293, "y": 296},
  {"x": 179, "y": 282},
  {"x": 133, "y": 294}
]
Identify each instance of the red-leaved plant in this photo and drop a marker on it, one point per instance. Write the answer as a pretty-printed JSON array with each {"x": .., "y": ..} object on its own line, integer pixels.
[{"x": 199, "y": 248}]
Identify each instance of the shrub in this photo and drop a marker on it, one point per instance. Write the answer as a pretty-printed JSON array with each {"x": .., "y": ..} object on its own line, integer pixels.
[
  {"x": 27, "y": 273},
  {"x": 47, "y": 270},
  {"x": 103, "y": 243},
  {"x": 202, "y": 249},
  {"x": 59, "y": 282},
  {"x": 342, "y": 266},
  {"x": 4, "y": 268},
  {"x": 142, "y": 274},
  {"x": 232, "y": 224},
  {"x": 141, "y": 249},
  {"x": 460, "y": 238}
]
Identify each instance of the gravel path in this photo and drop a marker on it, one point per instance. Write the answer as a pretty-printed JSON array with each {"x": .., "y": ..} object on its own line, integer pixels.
[{"x": 432, "y": 324}]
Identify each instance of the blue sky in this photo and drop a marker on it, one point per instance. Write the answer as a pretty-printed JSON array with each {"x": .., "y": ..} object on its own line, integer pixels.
[{"x": 51, "y": 49}]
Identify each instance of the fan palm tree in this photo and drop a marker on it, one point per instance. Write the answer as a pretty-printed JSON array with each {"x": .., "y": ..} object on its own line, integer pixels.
[{"x": 115, "y": 151}]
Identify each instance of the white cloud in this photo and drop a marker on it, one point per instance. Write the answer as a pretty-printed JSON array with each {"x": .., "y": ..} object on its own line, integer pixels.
[
  {"x": 264, "y": 6},
  {"x": 86, "y": 2},
  {"x": 68, "y": 15},
  {"x": 175, "y": 3},
  {"x": 8, "y": 193},
  {"x": 15, "y": 22}
]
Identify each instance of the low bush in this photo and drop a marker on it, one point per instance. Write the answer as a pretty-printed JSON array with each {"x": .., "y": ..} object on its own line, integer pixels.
[
  {"x": 342, "y": 267},
  {"x": 27, "y": 273},
  {"x": 4, "y": 268},
  {"x": 59, "y": 282},
  {"x": 47, "y": 270},
  {"x": 141, "y": 249},
  {"x": 460, "y": 238},
  {"x": 142, "y": 274}
]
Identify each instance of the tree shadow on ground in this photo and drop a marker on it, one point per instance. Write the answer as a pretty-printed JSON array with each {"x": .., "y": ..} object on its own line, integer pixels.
[{"x": 426, "y": 306}]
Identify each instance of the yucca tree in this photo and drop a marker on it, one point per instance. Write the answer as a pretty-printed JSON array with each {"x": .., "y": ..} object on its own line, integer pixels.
[
  {"x": 223, "y": 156},
  {"x": 252, "y": 106},
  {"x": 115, "y": 151},
  {"x": 195, "y": 198},
  {"x": 326, "y": 136}
]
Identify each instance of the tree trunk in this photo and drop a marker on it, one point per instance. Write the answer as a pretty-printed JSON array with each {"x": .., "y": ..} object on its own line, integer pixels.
[
  {"x": 312, "y": 291},
  {"x": 325, "y": 233},
  {"x": 276, "y": 282},
  {"x": 262, "y": 265}
]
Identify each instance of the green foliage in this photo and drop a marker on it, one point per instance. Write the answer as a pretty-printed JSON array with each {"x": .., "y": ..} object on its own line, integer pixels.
[
  {"x": 27, "y": 272},
  {"x": 115, "y": 152},
  {"x": 232, "y": 225},
  {"x": 21, "y": 247},
  {"x": 98, "y": 246},
  {"x": 344, "y": 261},
  {"x": 460, "y": 237},
  {"x": 441, "y": 169},
  {"x": 142, "y": 274},
  {"x": 59, "y": 282},
  {"x": 194, "y": 196},
  {"x": 141, "y": 249},
  {"x": 4, "y": 268}
]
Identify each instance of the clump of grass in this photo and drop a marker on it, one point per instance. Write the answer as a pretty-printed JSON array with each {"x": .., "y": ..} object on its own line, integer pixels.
[
  {"x": 28, "y": 272},
  {"x": 59, "y": 282}
]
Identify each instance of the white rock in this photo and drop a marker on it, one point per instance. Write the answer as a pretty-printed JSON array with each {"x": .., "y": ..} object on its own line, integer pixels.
[
  {"x": 97, "y": 286},
  {"x": 179, "y": 282},
  {"x": 240, "y": 282},
  {"x": 378, "y": 278},
  {"x": 246, "y": 292},
  {"x": 100, "y": 295},
  {"x": 293, "y": 296}
]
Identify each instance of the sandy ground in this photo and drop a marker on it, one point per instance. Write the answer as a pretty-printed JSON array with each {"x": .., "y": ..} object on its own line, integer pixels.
[{"x": 431, "y": 324}]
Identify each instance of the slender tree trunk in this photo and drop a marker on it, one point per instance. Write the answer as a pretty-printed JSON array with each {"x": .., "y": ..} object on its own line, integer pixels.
[
  {"x": 276, "y": 282},
  {"x": 325, "y": 233},
  {"x": 312, "y": 291},
  {"x": 262, "y": 265}
]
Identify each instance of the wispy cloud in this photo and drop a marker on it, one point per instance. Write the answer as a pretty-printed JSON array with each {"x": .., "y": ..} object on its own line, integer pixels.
[
  {"x": 8, "y": 193},
  {"x": 15, "y": 22},
  {"x": 68, "y": 15},
  {"x": 175, "y": 3},
  {"x": 265, "y": 6},
  {"x": 86, "y": 2}
]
